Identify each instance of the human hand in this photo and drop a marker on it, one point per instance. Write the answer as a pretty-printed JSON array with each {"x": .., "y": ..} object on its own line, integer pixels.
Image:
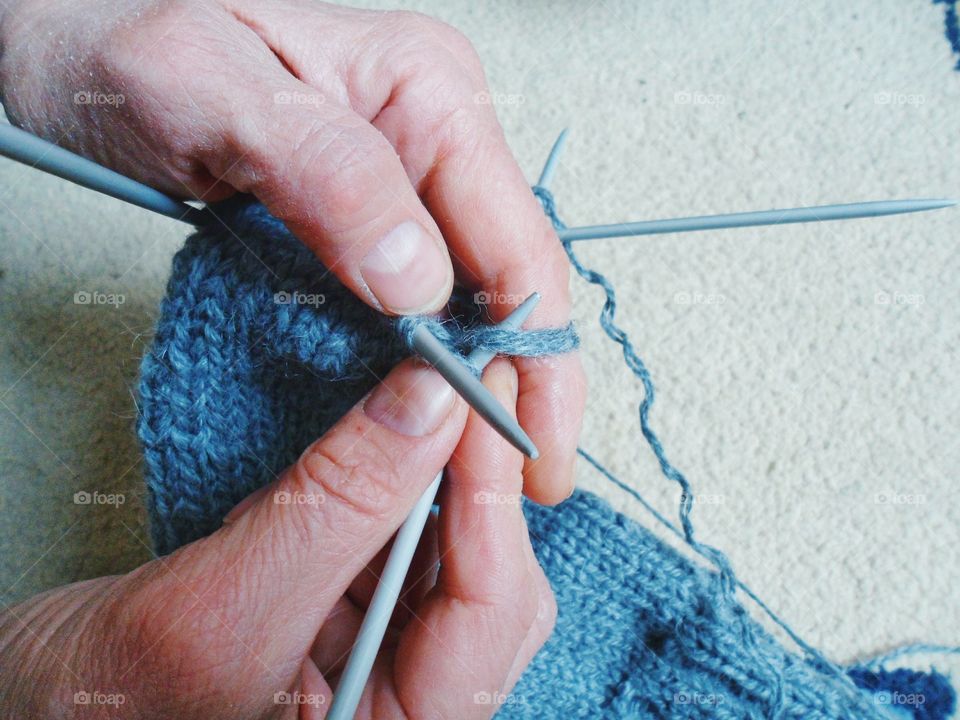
[
  {"x": 366, "y": 132},
  {"x": 256, "y": 620}
]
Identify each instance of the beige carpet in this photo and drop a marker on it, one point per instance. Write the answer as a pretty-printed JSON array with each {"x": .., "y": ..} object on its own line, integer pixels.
[{"x": 807, "y": 375}]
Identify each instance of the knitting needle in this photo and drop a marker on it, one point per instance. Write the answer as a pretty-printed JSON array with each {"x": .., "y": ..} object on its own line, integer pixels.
[
  {"x": 384, "y": 600},
  {"x": 23, "y": 147},
  {"x": 472, "y": 390},
  {"x": 750, "y": 219},
  {"x": 550, "y": 167}
]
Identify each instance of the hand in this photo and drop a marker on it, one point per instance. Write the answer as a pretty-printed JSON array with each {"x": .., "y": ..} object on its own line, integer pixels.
[
  {"x": 263, "y": 612},
  {"x": 366, "y": 132}
]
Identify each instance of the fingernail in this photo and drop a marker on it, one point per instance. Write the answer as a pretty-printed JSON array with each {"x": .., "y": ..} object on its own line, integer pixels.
[
  {"x": 502, "y": 380},
  {"x": 407, "y": 270},
  {"x": 413, "y": 401}
]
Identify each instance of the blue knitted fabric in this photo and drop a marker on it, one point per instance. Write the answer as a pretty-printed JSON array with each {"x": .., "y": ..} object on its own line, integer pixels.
[
  {"x": 951, "y": 27},
  {"x": 259, "y": 350}
]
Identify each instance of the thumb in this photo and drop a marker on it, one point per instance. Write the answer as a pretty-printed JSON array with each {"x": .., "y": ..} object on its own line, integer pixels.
[
  {"x": 335, "y": 508},
  {"x": 340, "y": 187},
  {"x": 261, "y": 587}
]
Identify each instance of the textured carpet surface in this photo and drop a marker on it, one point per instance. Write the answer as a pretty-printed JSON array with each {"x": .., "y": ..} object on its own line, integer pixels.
[{"x": 806, "y": 375}]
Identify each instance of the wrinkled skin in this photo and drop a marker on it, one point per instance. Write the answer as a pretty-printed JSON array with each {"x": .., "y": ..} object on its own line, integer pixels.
[
  {"x": 271, "y": 602},
  {"x": 346, "y": 124}
]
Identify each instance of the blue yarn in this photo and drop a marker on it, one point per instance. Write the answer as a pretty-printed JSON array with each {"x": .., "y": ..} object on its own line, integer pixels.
[
  {"x": 246, "y": 325},
  {"x": 951, "y": 26},
  {"x": 914, "y": 649},
  {"x": 729, "y": 581},
  {"x": 919, "y": 695},
  {"x": 238, "y": 383}
]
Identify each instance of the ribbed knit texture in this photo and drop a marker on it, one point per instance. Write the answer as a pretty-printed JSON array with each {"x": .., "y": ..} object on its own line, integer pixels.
[{"x": 259, "y": 350}]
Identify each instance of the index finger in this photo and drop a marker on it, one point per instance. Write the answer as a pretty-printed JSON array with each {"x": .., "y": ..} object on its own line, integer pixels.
[
  {"x": 501, "y": 240},
  {"x": 502, "y": 243}
]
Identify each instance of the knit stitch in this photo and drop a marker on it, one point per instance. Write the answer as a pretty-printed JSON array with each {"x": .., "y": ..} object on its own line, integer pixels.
[{"x": 259, "y": 350}]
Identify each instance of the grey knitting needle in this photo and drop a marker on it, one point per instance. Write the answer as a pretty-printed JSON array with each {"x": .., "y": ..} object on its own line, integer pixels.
[
  {"x": 472, "y": 390},
  {"x": 384, "y": 600},
  {"x": 750, "y": 219},
  {"x": 550, "y": 167},
  {"x": 23, "y": 147}
]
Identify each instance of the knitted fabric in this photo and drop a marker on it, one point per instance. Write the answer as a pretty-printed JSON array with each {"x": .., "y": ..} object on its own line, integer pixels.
[
  {"x": 259, "y": 350},
  {"x": 951, "y": 27}
]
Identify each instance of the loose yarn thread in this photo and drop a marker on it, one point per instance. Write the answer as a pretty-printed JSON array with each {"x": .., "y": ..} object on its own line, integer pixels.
[
  {"x": 638, "y": 623},
  {"x": 855, "y": 677}
]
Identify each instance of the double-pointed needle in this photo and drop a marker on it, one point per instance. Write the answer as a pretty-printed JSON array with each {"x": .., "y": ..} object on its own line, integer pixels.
[
  {"x": 469, "y": 387},
  {"x": 750, "y": 219},
  {"x": 384, "y": 599},
  {"x": 31, "y": 150},
  {"x": 28, "y": 149},
  {"x": 23, "y": 147}
]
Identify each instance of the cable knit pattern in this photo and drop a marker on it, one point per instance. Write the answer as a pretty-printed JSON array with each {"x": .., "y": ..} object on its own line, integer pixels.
[{"x": 259, "y": 350}]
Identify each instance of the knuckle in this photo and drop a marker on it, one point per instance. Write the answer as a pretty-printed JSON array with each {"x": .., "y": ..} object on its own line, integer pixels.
[
  {"x": 160, "y": 38},
  {"x": 420, "y": 25},
  {"x": 355, "y": 180},
  {"x": 352, "y": 472},
  {"x": 442, "y": 38},
  {"x": 342, "y": 160}
]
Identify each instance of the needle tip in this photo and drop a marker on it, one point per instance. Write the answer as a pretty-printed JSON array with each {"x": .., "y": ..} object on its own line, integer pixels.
[
  {"x": 520, "y": 440},
  {"x": 934, "y": 203}
]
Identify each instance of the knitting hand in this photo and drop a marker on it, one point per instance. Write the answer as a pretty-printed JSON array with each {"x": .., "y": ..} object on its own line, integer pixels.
[
  {"x": 256, "y": 620},
  {"x": 371, "y": 134}
]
